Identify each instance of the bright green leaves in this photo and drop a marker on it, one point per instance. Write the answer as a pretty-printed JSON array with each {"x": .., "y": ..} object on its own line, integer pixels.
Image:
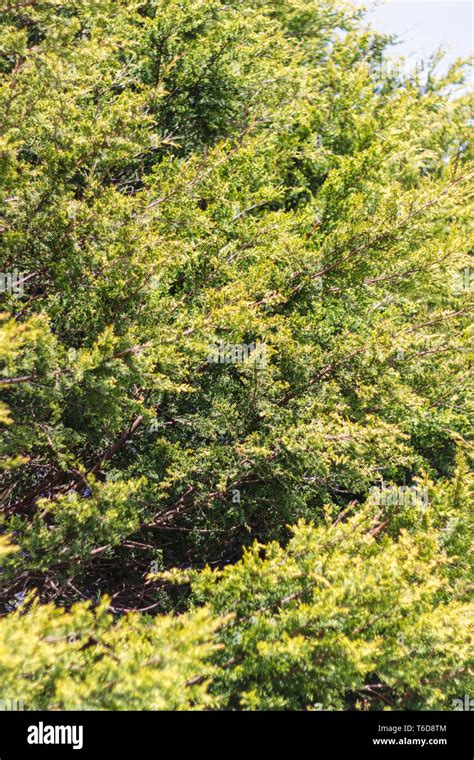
[
  {"x": 176, "y": 176},
  {"x": 339, "y": 618},
  {"x": 65, "y": 532},
  {"x": 83, "y": 660}
]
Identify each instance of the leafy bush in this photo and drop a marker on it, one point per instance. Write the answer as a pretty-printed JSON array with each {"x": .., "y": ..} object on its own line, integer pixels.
[{"x": 179, "y": 179}]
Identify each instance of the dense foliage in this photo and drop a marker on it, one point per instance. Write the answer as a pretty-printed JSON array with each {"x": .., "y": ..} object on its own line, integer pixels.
[{"x": 182, "y": 179}]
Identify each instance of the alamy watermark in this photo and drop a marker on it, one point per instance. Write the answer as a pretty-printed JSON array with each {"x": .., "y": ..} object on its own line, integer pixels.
[
  {"x": 401, "y": 69},
  {"x": 402, "y": 496},
  {"x": 466, "y": 703},
  {"x": 463, "y": 280},
  {"x": 238, "y": 353},
  {"x": 45, "y": 734},
  {"x": 12, "y": 282},
  {"x": 12, "y": 704}
]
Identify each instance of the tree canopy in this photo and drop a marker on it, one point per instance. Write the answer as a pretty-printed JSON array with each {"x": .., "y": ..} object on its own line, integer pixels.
[{"x": 182, "y": 177}]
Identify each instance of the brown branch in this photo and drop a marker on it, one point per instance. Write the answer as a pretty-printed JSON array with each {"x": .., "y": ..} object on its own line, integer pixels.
[{"x": 117, "y": 445}]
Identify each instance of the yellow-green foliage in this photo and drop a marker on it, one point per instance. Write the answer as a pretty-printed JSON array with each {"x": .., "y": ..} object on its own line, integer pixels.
[
  {"x": 179, "y": 175},
  {"x": 342, "y": 618},
  {"x": 83, "y": 659}
]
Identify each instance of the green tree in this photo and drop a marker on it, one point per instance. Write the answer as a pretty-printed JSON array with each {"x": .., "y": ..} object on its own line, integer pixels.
[{"x": 176, "y": 176}]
